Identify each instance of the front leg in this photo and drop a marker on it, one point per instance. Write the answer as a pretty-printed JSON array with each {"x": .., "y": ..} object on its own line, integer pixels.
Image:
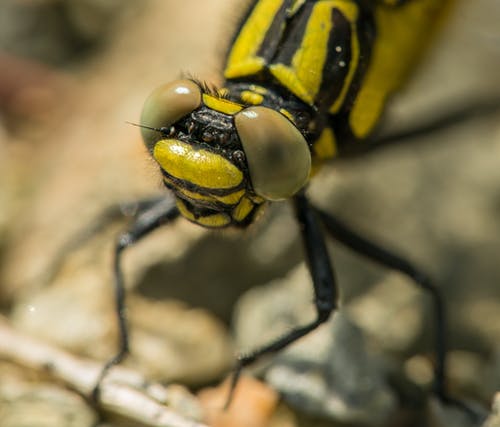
[
  {"x": 149, "y": 218},
  {"x": 325, "y": 287}
]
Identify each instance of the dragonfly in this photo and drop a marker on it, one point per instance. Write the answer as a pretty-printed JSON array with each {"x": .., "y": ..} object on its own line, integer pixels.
[{"x": 305, "y": 82}]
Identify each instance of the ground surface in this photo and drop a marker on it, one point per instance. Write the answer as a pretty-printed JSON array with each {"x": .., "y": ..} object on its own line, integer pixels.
[{"x": 67, "y": 154}]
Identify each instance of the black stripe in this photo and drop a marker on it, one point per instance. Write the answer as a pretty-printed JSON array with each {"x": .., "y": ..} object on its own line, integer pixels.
[
  {"x": 366, "y": 35},
  {"x": 274, "y": 34},
  {"x": 366, "y": 31},
  {"x": 293, "y": 36},
  {"x": 334, "y": 73},
  {"x": 199, "y": 211}
]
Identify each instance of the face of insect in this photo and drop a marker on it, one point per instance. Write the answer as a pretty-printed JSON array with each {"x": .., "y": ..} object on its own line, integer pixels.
[{"x": 222, "y": 160}]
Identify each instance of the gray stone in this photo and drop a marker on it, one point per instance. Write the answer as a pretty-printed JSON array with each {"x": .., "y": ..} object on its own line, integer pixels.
[
  {"x": 329, "y": 372},
  {"x": 31, "y": 404},
  {"x": 494, "y": 418}
]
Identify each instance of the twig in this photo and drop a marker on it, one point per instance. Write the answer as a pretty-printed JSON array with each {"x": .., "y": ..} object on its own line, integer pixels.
[{"x": 122, "y": 393}]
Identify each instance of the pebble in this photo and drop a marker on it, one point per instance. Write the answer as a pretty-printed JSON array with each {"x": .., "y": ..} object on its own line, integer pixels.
[
  {"x": 41, "y": 404},
  {"x": 330, "y": 372}
]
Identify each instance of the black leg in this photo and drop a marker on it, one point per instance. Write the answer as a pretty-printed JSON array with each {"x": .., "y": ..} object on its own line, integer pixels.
[
  {"x": 359, "y": 244},
  {"x": 151, "y": 214},
  {"x": 342, "y": 233},
  {"x": 325, "y": 289},
  {"x": 472, "y": 110}
]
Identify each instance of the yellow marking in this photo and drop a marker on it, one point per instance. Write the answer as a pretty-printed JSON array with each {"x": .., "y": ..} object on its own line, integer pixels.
[
  {"x": 221, "y": 105},
  {"x": 195, "y": 196},
  {"x": 251, "y": 66},
  {"x": 350, "y": 11},
  {"x": 197, "y": 166},
  {"x": 184, "y": 210},
  {"x": 288, "y": 115},
  {"x": 305, "y": 74},
  {"x": 310, "y": 58},
  {"x": 325, "y": 147},
  {"x": 287, "y": 76},
  {"x": 229, "y": 199},
  {"x": 243, "y": 209},
  {"x": 259, "y": 89},
  {"x": 213, "y": 221},
  {"x": 249, "y": 97},
  {"x": 257, "y": 200},
  {"x": 242, "y": 60},
  {"x": 402, "y": 35},
  {"x": 222, "y": 92},
  {"x": 316, "y": 165},
  {"x": 296, "y": 5}
]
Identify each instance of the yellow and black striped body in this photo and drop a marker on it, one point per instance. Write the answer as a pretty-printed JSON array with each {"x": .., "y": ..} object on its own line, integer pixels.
[
  {"x": 328, "y": 66},
  {"x": 340, "y": 58}
]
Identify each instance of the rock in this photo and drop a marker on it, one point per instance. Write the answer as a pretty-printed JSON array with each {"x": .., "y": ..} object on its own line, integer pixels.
[
  {"x": 63, "y": 29},
  {"x": 473, "y": 375},
  {"x": 41, "y": 404},
  {"x": 339, "y": 381},
  {"x": 252, "y": 405},
  {"x": 77, "y": 316},
  {"x": 435, "y": 200},
  {"x": 392, "y": 298},
  {"x": 173, "y": 342},
  {"x": 441, "y": 415},
  {"x": 330, "y": 372},
  {"x": 169, "y": 341},
  {"x": 494, "y": 418}
]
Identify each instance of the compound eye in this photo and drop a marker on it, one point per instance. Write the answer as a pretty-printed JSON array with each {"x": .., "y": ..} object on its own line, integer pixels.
[
  {"x": 166, "y": 105},
  {"x": 279, "y": 159}
]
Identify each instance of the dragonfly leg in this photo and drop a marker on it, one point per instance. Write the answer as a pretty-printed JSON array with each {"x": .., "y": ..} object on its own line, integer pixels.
[
  {"x": 152, "y": 216},
  {"x": 325, "y": 288}
]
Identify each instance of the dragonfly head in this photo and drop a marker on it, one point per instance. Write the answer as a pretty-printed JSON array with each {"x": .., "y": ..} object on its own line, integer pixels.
[{"x": 222, "y": 159}]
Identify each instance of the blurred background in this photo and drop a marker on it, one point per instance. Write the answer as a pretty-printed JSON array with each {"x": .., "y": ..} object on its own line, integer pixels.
[{"x": 73, "y": 72}]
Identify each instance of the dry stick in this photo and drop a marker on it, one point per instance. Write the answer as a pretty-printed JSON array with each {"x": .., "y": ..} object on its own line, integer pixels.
[{"x": 122, "y": 393}]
